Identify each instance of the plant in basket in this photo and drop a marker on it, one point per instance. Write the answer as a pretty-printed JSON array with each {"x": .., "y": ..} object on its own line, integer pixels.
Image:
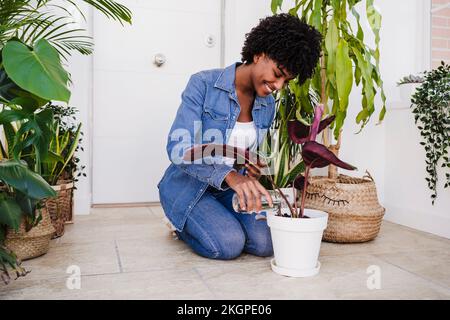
[
  {"x": 61, "y": 168},
  {"x": 21, "y": 192},
  {"x": 347, "y": 59},
  {"x": 35, "y": 36}
]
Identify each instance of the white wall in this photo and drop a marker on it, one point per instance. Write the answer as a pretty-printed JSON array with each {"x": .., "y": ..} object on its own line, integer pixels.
[
  {"x": 80, "y": 68},
  {"x": 405, "y": 51}
]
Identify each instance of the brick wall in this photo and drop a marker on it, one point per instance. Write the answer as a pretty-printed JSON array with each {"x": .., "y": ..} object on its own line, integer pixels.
[{"x": 440, "y": 33}]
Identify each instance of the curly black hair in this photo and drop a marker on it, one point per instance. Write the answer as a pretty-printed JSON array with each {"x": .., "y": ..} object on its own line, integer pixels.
[{"x": 287, "y": 40}]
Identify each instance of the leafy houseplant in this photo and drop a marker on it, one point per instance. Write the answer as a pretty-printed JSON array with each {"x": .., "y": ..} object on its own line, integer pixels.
[
  {"x": 346, "y": 59},
  {"x": 20, "y": 194},
  {"x": 307, "y": 233},
  {"x": 314, "y": 154},
  {"x": 431, "y": 109},
  {"x": 34, "y": 37},
  {"x": 61, "y": 166},
  {"x": 305, "y": 230}
]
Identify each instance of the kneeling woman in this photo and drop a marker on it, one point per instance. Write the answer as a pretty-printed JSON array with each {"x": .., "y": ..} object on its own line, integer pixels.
[{"x": 236, "y": 103}]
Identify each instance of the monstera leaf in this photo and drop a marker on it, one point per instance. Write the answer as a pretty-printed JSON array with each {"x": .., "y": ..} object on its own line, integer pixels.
[
  {"x": 11, "y": 92},
  {"x": 10, "y": 212},
  {"x": 37, "y": 70}
]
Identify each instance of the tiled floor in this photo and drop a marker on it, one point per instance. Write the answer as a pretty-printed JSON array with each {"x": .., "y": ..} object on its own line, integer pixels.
[{"x": 128, "y": 253}]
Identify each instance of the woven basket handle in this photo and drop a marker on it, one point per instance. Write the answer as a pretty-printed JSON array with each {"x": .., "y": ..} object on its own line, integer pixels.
[{"x": 368, "y": 175}]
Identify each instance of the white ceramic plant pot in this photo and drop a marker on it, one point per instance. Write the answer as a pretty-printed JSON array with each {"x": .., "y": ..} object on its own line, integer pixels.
[{"x": 296, "y": 243}]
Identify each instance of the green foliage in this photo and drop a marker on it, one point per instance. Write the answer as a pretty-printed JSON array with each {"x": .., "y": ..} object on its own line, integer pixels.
[
  {"x": 34, "y": 36},
  {"x": 20, "y": 192},
  {"x": 292, "y": 102},
  {"x": 37, "y": 70},
  {"x": 66, "y": 136},
  {"x": 410, "y": 79},
  {"x": 32, "y": 135},
  {"x": 347, "y": 58},
  {"x": 29, "y": 21},
  {"x": 431, "y": 109}
]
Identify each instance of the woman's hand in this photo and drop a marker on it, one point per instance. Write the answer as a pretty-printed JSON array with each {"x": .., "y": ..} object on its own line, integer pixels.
[
  {"x": 249, "y": 191},
  {"x": 253, "y": 171}
]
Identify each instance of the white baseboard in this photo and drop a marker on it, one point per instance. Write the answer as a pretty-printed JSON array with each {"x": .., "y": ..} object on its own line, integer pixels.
[{"x": 423, "y": 221}]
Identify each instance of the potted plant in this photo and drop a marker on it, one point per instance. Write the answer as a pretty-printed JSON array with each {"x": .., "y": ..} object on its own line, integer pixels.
[
  {"x": 61, "y": 169},
  {"x": 25, "y": 227},
  {"x": 34, "y": 37},
  {"x": 346, "y": 60},
  {"x": 304, "y": 227},
  {"x": 431, "y": 108},
  {"x": 281, "y": 153},
  {"x": 296, "y": 236}
]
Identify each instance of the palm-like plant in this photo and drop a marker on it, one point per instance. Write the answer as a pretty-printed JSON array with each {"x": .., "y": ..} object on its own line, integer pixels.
[
  {"x": 29, "y": 21},
  {"x": 34, "y": 36},
  {"x": 346, "y": 60}
]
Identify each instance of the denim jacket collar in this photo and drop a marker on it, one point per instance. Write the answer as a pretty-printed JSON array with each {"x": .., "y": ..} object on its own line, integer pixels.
[{"x": 225, "y": 81}]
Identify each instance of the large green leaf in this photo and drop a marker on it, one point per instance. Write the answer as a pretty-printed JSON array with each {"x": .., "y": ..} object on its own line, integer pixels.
[
  {"x": 374, "y": 18},
  {"x": 275, "y": 4},
  {"x": 10, "y": 92},
  {"x": 37, "y": 70},
  {"x": 368, "y": 90},
  {"x": 10, "y": 212},
  {"x": 316, "y": 16},
  {"x": 18, "y": 176},
  {"x": 331, "y": 43},
  {"x": 344, "y": 74},
  {"x": 295, "y": 171},
  {"x": 10, "y": 133}
]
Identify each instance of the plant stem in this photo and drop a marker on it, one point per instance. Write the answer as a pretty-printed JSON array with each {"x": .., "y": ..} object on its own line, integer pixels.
[
  {"x": 282, "y": 195},
  {"x": 294, "y": 192},
  {"x": 305, "y": 183}
]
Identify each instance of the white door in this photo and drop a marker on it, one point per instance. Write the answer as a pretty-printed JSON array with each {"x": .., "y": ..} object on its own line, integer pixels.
[{"x": 134, "y": 100}]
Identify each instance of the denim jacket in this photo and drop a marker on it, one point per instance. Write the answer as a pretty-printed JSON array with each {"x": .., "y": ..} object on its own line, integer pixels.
[{"x": 209, "y": 103}]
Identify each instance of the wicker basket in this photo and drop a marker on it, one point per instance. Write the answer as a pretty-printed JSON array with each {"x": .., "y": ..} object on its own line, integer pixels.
[
  {"x": 60, "y": 207},
  {"x": 34, "y": 243},
  {"x": 355, "y": 214}
]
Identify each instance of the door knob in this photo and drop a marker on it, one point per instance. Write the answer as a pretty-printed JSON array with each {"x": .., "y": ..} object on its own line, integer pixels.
[{"x": 159, "y": 59}]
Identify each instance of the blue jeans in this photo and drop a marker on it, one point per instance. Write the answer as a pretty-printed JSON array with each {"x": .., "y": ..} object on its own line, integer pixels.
[{"x": 214, "y": 230}]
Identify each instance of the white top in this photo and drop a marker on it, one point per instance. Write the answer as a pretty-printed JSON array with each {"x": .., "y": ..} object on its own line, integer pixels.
[{"x": 242, "y": 136}]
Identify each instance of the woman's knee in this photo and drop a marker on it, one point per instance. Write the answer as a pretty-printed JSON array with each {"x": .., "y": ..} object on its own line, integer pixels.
[
  {"x": 230, "y": 245},
  {"x": 223, "y": 243},
  {"x": 260, "y": 245}
]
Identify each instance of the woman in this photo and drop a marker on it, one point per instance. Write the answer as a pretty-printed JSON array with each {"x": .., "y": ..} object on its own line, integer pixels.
[{"x": 233, "y": 106}]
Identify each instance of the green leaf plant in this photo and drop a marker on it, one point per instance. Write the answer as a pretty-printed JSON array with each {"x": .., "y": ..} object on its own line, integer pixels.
[
  {"x": 30, "y": 21},
  {"x": 21, "y": 190},
  {"x": 62, "y": 162},
  {"x": 346, "y": 60},
  {"x": 431, "y": 109}
]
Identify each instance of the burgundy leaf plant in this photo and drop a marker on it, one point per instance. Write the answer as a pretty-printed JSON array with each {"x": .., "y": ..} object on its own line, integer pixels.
[{"x": 314, "y": 154}]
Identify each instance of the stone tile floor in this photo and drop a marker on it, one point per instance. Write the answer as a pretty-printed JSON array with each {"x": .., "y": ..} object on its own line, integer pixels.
[{"x": 128, "y": 253}]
